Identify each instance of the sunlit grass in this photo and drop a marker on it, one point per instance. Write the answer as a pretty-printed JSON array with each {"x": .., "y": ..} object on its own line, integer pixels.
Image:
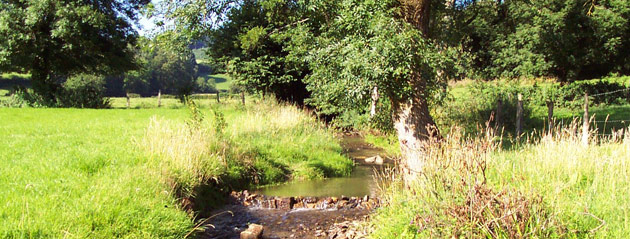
[
  {"x": 582, "y": 184},
  {"x": 583, "y": 189},
  {"x": 122, "y": 173},
  {"x": 77, "y": 174}
]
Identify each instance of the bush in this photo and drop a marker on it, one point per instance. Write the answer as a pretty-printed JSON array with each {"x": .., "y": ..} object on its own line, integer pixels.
[
  {"x": 84, "y": 91},
  {"x": 471, "y": 112},
  {"x": 572, "y": 94},
  {"x": 13, "y": 101}
]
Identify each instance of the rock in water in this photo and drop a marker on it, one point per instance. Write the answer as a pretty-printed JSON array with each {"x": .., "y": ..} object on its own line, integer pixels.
[
  {"x": 379, "y": 160},
  {"x": 254, "y": 231},
  {"x": 375, "y": 160}
]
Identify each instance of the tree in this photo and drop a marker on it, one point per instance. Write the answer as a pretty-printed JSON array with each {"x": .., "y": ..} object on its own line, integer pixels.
[
  {"x": 166, "y": 65},
  {"x": 53, "y": 39},
  {"x": 387, "y": 44},
  {"x": 571, "y": 40},
  {"x": 351, "y": 46}
]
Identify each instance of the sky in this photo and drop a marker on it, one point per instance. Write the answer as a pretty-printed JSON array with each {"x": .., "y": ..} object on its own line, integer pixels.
[{"x": 145, "y": 26}]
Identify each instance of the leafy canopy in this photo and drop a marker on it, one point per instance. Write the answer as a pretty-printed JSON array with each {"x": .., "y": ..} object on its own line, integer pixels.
[{"x": 58, "y": 38}]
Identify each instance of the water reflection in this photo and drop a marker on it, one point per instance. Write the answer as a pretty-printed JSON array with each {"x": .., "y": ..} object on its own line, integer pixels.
[{"x": 361, "y": 182}]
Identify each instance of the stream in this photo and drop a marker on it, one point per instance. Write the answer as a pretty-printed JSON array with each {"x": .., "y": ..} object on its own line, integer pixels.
[{"x": 305, "y": 209}]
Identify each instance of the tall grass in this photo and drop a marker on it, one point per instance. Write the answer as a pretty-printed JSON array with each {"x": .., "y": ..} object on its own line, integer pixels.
[
  {"x": 235, "y": 147},
  {"x": 552, "y": 186},
  {"x": 586, "y": 186}
]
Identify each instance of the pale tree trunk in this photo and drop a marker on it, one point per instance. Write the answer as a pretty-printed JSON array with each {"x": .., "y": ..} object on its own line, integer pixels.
[
  {"x": 416, "y": 130},
  {"x": 375, "y": 98}
]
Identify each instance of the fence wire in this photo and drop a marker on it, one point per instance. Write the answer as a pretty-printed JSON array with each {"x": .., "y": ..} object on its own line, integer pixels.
[{"x": 610, "y": 92}]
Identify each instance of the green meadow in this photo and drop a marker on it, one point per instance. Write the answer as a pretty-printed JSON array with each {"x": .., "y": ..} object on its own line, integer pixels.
[{"x": 124, "y": 173}]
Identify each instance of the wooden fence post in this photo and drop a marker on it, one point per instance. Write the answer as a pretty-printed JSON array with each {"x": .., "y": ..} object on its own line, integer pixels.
[
  {"x": 550, "y": 114},
  {"x": 585, "y": 121},
  {"x": 498, "y": 116},
  {"x": 519, "y": 116},
  {"x": 218, "y": 97},
  {"x": 243, "y": 97},
  {"x": 159, "y": 98}
]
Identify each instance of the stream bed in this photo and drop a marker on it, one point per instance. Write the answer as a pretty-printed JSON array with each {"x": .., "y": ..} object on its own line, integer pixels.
[{"x": 306, "y": 209}]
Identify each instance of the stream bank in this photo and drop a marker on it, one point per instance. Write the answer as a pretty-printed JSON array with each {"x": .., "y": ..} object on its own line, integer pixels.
[{"x": 306, "y": 209}]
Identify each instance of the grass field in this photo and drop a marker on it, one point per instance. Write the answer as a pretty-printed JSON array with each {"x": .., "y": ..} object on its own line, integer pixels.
[
  {"x": 552, "y": 187},
  {"x": 223, "y": 82},
  {"x": 77, "y": 174},
  {"x": 72, "y": 173}
]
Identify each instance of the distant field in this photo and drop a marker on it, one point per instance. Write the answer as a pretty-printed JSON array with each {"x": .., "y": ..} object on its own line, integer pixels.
[
  {"x": 14, "y": 75},
  {"x": 223, "y": 81},
  {"x": 170, "y": 102}
]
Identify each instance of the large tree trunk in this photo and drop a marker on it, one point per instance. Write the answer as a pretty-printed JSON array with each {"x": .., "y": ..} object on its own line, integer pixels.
[
  {"x": 42, "y": 81},
  {"x": 413, "y": 123},
  {"x": 416, "y": 130}
]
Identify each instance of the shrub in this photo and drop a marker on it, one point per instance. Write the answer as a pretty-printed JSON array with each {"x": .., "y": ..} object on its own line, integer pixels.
[
  {"x": 350, "y": 119},
  {"x": 83, "y": 91},
  {"x": 204, "y": 85},
  {"x": 572, "y": 94},
  {"x": 13, "y": 101},
  {"x": 471, "y": 112}
]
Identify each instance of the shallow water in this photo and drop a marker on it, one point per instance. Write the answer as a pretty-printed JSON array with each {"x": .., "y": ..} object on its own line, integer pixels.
[{"x": 361, "y": 182}]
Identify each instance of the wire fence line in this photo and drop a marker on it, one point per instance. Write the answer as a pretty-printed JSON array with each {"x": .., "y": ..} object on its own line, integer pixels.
[
  {"x": 611, "y": 121},
  {"x": 610, "y": 92},
  {"x": 608, "y": 125}
]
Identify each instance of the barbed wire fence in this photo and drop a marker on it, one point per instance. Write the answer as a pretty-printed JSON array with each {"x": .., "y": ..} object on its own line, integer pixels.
[{"x": 618, "y": 126}]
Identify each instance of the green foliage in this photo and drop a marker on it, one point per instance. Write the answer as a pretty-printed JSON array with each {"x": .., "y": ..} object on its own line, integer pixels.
[
  {"x": 167, "y": 65},
  {"x": 573, "y": 94},
  {"x": 13, "y": 101},
  {"x": 472, "y": 112},
  {"x": 219, "y": 122},
  {"x": 84, "y": 91},
  {"x": 196, "y": 117},
  {"x": 367, "y": 44},
  {"x": 351, "y": 119},
  {"x": 63, "y": 38},
  {"x": 571, "y": 40},
  {"x": 204, "y": 85}
]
